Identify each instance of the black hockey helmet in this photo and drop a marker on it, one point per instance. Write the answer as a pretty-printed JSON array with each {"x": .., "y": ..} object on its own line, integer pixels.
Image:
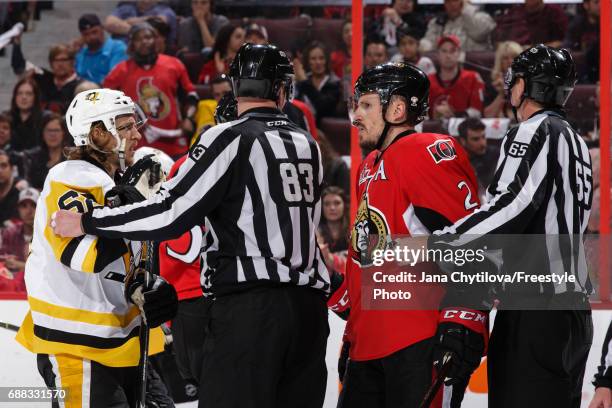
[
  {"x": 260, "y": 71},
  {"x": 227, "y": 109},
  {"x": 397, "y": 79},
  {"x": 549, "y": 74}
]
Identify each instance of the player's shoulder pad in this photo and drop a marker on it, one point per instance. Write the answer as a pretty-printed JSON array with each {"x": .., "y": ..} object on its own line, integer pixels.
[{"x": 80, "y": 173}]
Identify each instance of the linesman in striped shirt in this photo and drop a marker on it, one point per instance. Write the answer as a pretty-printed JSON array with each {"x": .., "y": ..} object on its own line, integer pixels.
[
  {"x": 255, "y": 184},
  {"x": 543, "y": 185}
]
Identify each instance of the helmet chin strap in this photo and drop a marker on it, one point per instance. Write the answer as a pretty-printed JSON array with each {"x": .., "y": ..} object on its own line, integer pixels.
[
  {"x": 121, "y": 153},
  {"x": 385, "y": 131},
  {"x": 516, "y": 108},
  {"x": 120, "y": 150}
]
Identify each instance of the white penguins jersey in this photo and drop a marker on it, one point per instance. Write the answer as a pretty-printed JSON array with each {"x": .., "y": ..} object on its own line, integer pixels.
[{"x": 75, "y": 285}]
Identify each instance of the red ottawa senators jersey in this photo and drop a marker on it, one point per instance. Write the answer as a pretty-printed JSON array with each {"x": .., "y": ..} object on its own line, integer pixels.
[
  {"x": 463, "y": 92},
  {"x": 179, "y": 258},
  {"x": 420, "y": 183},
  {"x": 155, "y": 90}
]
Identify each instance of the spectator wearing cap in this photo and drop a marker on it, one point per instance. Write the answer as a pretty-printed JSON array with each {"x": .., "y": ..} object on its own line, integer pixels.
[
  {"x": 256, "y": 34},
  {"x": 316, "y": 84},
  {"x": 156, "y": 81},
  {"x": 199, "y": 31},
  {"x": 10, "y": 185},
  {"x": 408, "y": 47},
  {"x": 129, "y": 13},
  {"x": 16, "y": 237},
  {"x": 376, "y": 53},
  {"x": 454, "y": 91},
  {"x": 459, "y": 18},
  {"x": 100, "y": 53},
  {"x": 56, "y": 85},
  {"x": 584, "y": 29},
  {"x": 533, "y": 23},
  {"x": 401, "y": 12}
]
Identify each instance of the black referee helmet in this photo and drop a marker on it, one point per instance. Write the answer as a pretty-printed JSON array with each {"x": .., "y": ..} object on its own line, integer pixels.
[
  {"x": 549, "y": 74},
  {"x": 260, "y": 71}
]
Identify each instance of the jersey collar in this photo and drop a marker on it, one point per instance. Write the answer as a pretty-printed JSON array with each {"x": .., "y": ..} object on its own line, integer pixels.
[{"x": 262, "y": 111}]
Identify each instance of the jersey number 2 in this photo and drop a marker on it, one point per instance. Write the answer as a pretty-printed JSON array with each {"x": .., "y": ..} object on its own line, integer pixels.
[
  {"x": 297, "y": 182},
  {"x": 468, "y": 198}
]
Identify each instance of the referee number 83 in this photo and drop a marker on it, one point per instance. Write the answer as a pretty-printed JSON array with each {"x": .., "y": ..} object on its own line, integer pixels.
[{"x": 297, "y": 182}]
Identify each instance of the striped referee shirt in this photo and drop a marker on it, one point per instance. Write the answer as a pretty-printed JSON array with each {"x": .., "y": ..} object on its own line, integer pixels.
[
  {"x": 542, "y": 185},
  {"x": 255, "y": 183}
]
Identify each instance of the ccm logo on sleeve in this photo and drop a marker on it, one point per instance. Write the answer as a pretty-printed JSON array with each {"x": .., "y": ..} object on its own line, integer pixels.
[
  {"x": 442, "y": 150},
  {"x": 197, "y": 152},
  {"x": 465, "y": 315}
]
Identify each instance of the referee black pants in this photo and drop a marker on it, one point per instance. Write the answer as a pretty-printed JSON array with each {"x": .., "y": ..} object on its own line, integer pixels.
[
  {"x": 266, "y": 349},
  {"x": 538, "y": 358}
]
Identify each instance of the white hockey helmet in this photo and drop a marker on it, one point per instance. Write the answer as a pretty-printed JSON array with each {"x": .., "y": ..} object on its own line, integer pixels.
[{"x": 97, "y": 105}]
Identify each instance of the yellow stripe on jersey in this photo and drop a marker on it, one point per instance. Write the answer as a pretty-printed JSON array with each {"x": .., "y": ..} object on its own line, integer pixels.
[
  {"x": 67, "y": 250},
  {"x": 85, "y": 316},
  {"x": 71, "y": 379},
  {"x": 127, "y": 355}
]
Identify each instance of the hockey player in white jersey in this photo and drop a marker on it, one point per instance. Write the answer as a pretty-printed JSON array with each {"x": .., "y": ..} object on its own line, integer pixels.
[{"x": 80, "y": 325}]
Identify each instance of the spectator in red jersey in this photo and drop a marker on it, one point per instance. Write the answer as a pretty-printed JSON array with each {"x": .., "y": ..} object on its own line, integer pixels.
[
  {"x": 341, "y": 58},
  {"x": 179, "y": 264},
  {"x": 401, "y": 13},
  {"x": 316, "y": 84},
  {"x": 454, "y": 91},
  {"x": 533, "y": 23},
  {"x": 471, "y": 26},
  {"x": 333, "y": 232},
  {"x": 584, "y": 29},
  {"x": 153, "y": 81},
  {"x": 56, "y": 85},
  {"x": 228, "y": 41},
  {"x": 375, "y": 53},
  {"x": 15, "y": 238},
  {"x": 497, "y": 105},
  {"x": 408, "y": 46},
  {"x": 199, "y": 31}
]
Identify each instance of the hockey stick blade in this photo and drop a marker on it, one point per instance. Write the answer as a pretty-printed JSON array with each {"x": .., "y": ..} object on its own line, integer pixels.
[
  {"x": 9, "y": 326},
  {"x": 435, "y": 386}
]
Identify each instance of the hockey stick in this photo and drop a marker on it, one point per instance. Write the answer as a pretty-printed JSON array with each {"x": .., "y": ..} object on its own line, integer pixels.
[
  {"x": 144, "y": 333},
  {"x": 9, "y": 326},
  {"x": 433, "y": 389}
]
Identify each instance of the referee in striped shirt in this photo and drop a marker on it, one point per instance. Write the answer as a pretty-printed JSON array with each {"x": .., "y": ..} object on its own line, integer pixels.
[
  {"x": 542, "y": 185},
  {"x": 255, "y": 183}
]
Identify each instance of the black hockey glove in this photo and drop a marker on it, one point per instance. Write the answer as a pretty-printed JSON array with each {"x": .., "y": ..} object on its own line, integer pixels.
[
  {"x": 464, "y": 333},
  {"x": 122, "y": 195},
  {"x": 158, "y": 302},
  {"x": 146, "y": 175},
  {"x": 338, "y": 296}
]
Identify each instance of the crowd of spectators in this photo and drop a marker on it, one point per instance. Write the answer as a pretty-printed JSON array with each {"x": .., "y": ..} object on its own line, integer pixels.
[{"x": 172, "y": 57}]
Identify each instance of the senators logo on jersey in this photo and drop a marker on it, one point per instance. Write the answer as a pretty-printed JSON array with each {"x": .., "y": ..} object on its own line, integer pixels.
[
  {"x": 370, "y": 232},
  {"x": 442, "y": 150}
]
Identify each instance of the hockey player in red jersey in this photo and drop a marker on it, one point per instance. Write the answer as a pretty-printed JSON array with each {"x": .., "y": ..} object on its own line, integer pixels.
[{"x": 411, "y": 183}]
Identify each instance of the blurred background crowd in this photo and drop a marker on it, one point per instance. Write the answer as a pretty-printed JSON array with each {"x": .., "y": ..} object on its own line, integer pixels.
[{"x": 465, "y": 49}]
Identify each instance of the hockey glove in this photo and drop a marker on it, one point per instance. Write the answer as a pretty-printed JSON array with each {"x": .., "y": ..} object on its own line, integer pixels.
[
  {"x": 145, "y": 175},
  {"x": 463, "y": 333},
  {"x": 158, "y": 302},
  {"x": 338, "y": 298},
  {"x": 122, "y": 195}
]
